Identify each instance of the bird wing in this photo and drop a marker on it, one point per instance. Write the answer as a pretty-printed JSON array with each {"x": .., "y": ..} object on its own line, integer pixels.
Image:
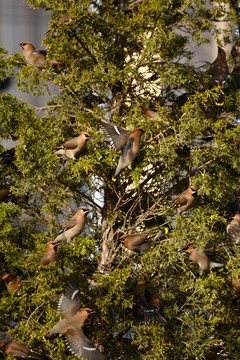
[
  {"x": 42, "y": 52},
  {"x": 70, "y": 224},
  {"x": 71, "y": 144},
  {"x": 81, "y": 346},
  {"x": 70, "y": 302},
  {"x": 152, "y": 315},
  {"x": 128, "y": 146},
  {"x": 116, "y": 135}
]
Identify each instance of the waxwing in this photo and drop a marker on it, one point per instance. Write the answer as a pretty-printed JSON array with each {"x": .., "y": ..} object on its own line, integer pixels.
[
  {"x": 36, "y": 57},
  {"x": 202, "y": 259},
  {"x": 13, "y": 283},
  {"x": 149, "y": 113},
  {"x": 50, "y": 255},
  {"x": 145, "y": 309},
  {"x": 73, "y": 146},
  {"x": 127, "y": 144},
  {"x": 186, "y": 199},
  {"x": 219, "y": 70},
  {"x": 74, "y": 227},
  {"x": 140, "y": 242},
  {"x": 5, "y": 193},
  {"x": 20, "y": 351},
  {"x": 233, "y": 229},
  {"x": 73, "y": 319}
]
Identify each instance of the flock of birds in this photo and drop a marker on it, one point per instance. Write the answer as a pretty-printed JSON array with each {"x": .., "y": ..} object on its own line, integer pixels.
[{"x": 147, "y": 308}]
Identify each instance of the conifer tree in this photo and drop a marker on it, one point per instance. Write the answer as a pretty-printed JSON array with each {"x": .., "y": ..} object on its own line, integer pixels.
[{"x": 118, "y": 55}]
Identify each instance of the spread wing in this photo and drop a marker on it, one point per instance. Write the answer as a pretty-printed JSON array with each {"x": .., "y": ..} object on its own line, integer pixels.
[
  {"x": 116, "y": 135},
  {"x": 69, "y": 303},
  {"x": 81, "y": 346}
]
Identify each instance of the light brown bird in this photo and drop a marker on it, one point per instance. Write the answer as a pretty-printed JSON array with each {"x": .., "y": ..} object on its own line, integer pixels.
[
  {"x": 128, "y": 144},
  {"x": 50, "y": 255},
  {"x": 186, "y": 199},
  {"x": 20, "y": 351},
  {"x": 233, "y": 229},
  {"x": 73, "y": 319},
  {"x": 203, "y": 261},
  {"x": 219, "y": 71},
  {"x": 140, "y": 242},
  {"x": 235, "y": 289},
  {"x": 73, "y": 146},
  {"x": 235, "y": 52},
  {"x": 36, "y": 57},
  {"x": 74, "y": 227},
  {"x": 144, "y": 309},
  {"x": 13, "y": 283}
]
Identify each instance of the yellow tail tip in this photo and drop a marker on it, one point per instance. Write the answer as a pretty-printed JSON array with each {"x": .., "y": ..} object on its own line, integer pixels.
[
  {"x": 166, "y": 230},
  {"x": 45, "y": 340},
  {"x": 114, "y": 179}
]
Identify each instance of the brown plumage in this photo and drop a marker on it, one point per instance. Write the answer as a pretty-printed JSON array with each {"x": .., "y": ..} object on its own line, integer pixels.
[
  {"x": 50, "y": 255},
  {"x": 235, "y": 52},
  {"x": 139, "y": 242},
  {"x": 5, "y": 193},
  {"x": 13, "y": 283},
  {"x": 127, "y": 143},
  {"x": 235, "y": 289},
  {"x": 73, "y": 319},
  {"x": 219, "y": 71},
  {"x": 73, "y": 146},
  {"x": 145, "y": 309},
  {"x": 186, "y": 199},
  {"x": 36, "y": 57},
  {"x": 20, "y": 351},
  {"x": 74, "y": 227},
  {"x": 203, "y": 261},
  {"x": 233, "y": 229}
]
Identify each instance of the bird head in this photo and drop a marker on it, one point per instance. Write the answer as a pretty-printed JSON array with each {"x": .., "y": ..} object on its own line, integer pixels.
[
  {"x": 3, "y": 345},
  {"x": 6, "y": 277},
  {"x": 25, "y": 45},
  {"x": 193, "y": 190},
  {"x": 84, "y": 209},
  {"x": 86, "y": 135},
  {"x": 188, "y": 248}
]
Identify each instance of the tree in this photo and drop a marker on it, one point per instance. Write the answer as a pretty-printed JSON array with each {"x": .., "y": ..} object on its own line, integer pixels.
[{"x": 119, "y": 54}]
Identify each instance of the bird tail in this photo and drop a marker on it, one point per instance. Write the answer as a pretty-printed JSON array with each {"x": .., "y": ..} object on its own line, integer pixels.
[
  {"x": 152, "y": 315},
  {"x": 59, "y": 152},
  {"x": 163, "y": 231},
  {"x": 214, "y": 264}
]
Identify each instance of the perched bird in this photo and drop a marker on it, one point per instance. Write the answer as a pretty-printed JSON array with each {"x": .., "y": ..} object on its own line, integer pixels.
[
  {"x": 36, "y": 57},
  {"x": 63, "y": 20},
  {"x": 140, "y": 242},
  {"x": 219, "y": 71},
  {"x": 73, "y": 319},
  {"x": 205, "y": 264},
  {"x": 74, "y": 227},
  {"x": 127, "y": 144},
  {"x": 50, "y": 255},
  {"x": 144, "y": 309},
  {"x": 73, "y": 146},
  {"x": 186, "y": 199},
  {"x": 235, "y": 52},
  {"x": 13, "y": 283},
  {"x": 233, "y": 229},
  {"x": 20, "y": 351}
]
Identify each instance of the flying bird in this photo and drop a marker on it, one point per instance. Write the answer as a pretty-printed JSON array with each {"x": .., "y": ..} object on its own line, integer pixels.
[
  {"x": 50, "y": 255},
  {"x": 20, "y": 351},
  {"x": 13, "y": 283},
  {"x": 140, "y": 242},
  {"x": 219, "y": 71},
  {"x": 186, "y": 199},
  {"x": 128, "y": 144},
  {"x": 73, "y": 146},
  {"x": 36, "y": 57},
  {"x": 233, "y": 229},
  {"x": 74, "y": 227},
  {"x": 73, "y": 319},
  {"x": 146, "y": 309},
  {"x": 201, "y": 258}
]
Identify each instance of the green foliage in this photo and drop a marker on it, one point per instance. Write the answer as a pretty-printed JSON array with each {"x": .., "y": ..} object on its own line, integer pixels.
[{"x": 117, "y": 55}]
